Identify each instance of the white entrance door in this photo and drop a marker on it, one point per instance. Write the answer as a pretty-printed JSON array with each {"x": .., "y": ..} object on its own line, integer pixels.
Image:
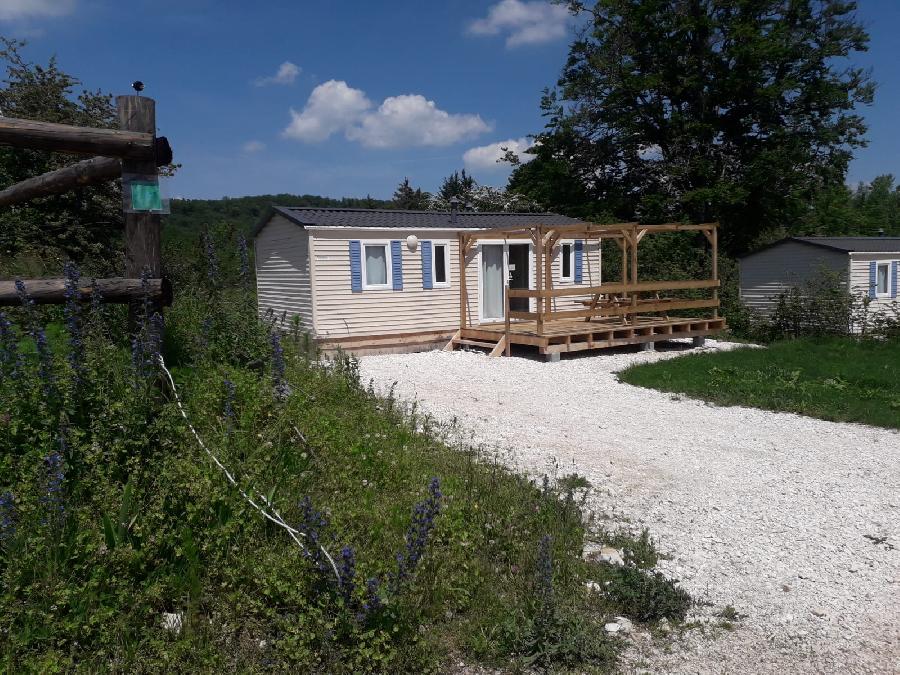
[{"x": 491, "y": 281}]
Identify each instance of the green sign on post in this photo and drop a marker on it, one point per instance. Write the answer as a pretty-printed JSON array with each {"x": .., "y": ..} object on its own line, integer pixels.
[{"x": 145, "y": 196}]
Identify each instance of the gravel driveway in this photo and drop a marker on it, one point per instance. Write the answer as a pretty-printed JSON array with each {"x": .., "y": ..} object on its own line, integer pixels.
[{"x": 771, "y": 513}]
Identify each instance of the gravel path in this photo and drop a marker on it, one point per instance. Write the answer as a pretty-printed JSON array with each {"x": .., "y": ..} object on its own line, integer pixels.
[{"x": 767, "y": 512}]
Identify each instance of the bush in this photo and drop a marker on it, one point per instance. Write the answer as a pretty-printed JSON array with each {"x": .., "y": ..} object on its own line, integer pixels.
[{"x": 823, "y": 307}]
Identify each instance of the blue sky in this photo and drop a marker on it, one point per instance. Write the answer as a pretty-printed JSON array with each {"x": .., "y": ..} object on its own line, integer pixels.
[{"x": 347, "y": 98}]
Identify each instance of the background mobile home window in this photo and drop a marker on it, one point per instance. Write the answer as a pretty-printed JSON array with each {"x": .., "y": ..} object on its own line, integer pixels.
[
  {"x": 882, "y": 279},
  {"x": 375, "y": 269}
]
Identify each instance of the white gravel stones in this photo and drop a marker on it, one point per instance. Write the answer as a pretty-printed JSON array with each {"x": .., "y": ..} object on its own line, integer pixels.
[{"x": 745, "y": 501}]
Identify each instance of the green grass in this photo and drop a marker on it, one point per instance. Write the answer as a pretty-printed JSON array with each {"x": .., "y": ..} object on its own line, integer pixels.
[{"x": 839, "y": 379}]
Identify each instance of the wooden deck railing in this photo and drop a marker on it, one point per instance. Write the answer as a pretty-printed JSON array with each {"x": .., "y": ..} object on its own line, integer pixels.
[{"x": 629, "y": 304}]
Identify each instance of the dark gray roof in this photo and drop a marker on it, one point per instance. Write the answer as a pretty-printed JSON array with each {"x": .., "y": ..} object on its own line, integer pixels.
[
  {"x": 856, "y": 244},
  {"x": 843, "y": 244},
  {"x": 409, "y": 220}
]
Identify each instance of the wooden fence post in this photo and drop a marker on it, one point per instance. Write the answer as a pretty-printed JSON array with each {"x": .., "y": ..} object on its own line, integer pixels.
[{"x": 142, "y": 230}]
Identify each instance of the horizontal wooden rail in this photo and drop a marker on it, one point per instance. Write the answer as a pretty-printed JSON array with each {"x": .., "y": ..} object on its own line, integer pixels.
[
  {"x": 115, "y": 290},
  {"x": 79, "y": 140},
  {"x": 642, "y": 308},
  {"x": 616, "y": 288},
  {"x": 81, "y": 174}
]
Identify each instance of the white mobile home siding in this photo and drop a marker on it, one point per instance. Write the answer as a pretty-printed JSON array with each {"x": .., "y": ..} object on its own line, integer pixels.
[
  {"x": 283, "y": 278},
  {"x": 341, "y": 313},
  {"x": 590, "y": 273},
  {"x": 767, "y": 274},
  {"x": 859, "y": 278}
]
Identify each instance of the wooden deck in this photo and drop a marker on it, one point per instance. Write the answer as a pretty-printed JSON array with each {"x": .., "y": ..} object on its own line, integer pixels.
[{"x": 574, "y": 335}]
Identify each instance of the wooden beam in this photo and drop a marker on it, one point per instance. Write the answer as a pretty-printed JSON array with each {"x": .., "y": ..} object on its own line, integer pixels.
[
  {"x": 715, "y": 269},
  {"x": 87, "y": 172},
  {"x": 116, "y": 290},
  {"x": 609, "y": 289},
  {"x": 130, "y": 143},
  {"x": 539, "y": 277},
  {"x": 500, "y": 347}
]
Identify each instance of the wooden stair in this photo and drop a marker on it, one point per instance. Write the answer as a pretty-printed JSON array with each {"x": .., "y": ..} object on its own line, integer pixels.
[{"x": 495, "y": 348}]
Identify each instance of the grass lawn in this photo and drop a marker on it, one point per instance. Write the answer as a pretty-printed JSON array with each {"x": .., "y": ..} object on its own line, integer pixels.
[{"x": 837, "y": 379}]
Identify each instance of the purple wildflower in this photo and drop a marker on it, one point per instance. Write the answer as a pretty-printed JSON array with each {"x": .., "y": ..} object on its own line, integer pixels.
[
  {"x": 10, "y": 357},
  {"x": 156, "y": 331},
  {"x": 228, "y": 404},
  {"x": 282, "y": 388},
  {"x": 373, "y": 597},
  {"x": 7, "y": 516},
  {"x": 347, "y": 572},
  {"x": 72, "y": 315},
  {"x": 417, "y": 535},
  {"x": 244, "y": 252},
  {"x": 312, "y": 525},
  {"x": 212, "y": 261},
  {"x": 145, "y": 293},
  {"x": 55, "y": 475}
]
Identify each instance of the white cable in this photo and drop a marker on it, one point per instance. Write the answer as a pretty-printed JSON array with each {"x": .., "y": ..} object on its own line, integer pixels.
[{"x": 274, "y": 516}]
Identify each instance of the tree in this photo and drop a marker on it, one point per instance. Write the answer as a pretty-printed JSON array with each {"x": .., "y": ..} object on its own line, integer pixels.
[
  {"x": 85, "y": 223},
  {"x": 740, "y": 111},
  {"x": 457, "y": 184},
  {"x": 405, "y": 197}
]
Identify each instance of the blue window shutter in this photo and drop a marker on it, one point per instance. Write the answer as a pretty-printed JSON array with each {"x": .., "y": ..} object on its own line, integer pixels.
[
  {"x": 355, "y": 266},
  {"x": 894, "y": 266},
  {"x": 397, "y": 265},
  {"x": 579, "y": 260},
  {"x": 873, "y": 284},
  {"x": 427, "y": 252}
]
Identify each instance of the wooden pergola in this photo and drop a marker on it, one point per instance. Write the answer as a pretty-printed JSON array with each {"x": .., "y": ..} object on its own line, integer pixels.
[{"x": 613, "y": 313}]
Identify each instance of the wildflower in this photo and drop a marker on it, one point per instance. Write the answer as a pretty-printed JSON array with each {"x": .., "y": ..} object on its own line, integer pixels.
[
  {"x": 96, "y": 299},
  {"x": 228, "y": 405},
  {"x": 312, "y": 524},
  {"x": 7, "y": 516},
  {"x": 372, "y": 602},
  {"x": 205, "y": 331},
  {"x": 72, "y": 315},
  {"x": 55, "y": 475},
  {"x": 417, "y": 535},
  {"x": 155, "y": 334},
  {"x": 347, "y": 572},
  {"x": 39, "y": 337},
  {"x": 282, "y": 388},
  {"x": 212, "y": 261},
  {"x": 244, "y": 252},
  {"x": 10, "y": 357},
  {"x": 145, "y": 293}
]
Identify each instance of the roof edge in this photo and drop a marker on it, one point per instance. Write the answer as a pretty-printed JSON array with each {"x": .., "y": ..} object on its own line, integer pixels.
[{"x": 798, "y": 240}]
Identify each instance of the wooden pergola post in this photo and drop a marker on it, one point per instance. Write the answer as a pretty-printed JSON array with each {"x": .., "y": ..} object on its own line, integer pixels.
[
  {"x": 463, "y": 291},
  {"x": 715, "y": 267},
  {"x": 537, "y": 236}
]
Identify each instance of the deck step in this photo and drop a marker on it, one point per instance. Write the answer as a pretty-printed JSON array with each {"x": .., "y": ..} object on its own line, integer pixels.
[{"x": 475, "y": 343}]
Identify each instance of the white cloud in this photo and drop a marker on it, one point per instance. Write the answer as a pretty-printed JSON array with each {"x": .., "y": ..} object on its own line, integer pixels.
[
  {"x": 484, "y": 157},
  {"x": 524, "y": 23},
  {"x": 400, "y": 121},
  {"x": 13, "y": 10},
  {"x": 332, "y": 106},
  {"x": 251, "y": 147},
  {"x": 286, "y": 74},
  {"x": 410, "y": 120}
]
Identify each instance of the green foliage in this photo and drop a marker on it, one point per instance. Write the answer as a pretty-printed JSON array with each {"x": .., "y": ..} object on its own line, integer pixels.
[
  {"x": 840, "y": 379},
  {"x": 738, "y": 112},
  {"x": 84, "y": 224}
]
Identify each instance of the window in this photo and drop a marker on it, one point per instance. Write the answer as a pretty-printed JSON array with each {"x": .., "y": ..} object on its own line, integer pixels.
[
  {"x": 376, "y": 262},
  {"x": 567, "y": 262},
  {"x": 883, "y": 280},
  {"x": 440, "y": 268}
]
